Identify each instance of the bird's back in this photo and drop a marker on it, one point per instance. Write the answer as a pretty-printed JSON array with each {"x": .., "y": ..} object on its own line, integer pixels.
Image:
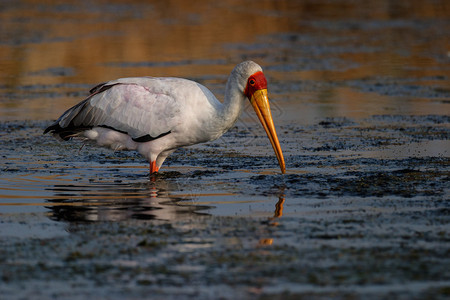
[{"x": 142, "y": 107}]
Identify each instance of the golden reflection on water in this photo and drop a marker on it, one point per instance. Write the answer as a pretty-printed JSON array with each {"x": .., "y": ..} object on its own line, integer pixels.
[
  {"x": 53, "y": 51},
  {"x": 48, "y": 46},
  {"x": 163, "y": 31}
]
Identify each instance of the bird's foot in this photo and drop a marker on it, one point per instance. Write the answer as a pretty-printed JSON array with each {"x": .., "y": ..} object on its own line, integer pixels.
[{"x": 153, "y": 170}]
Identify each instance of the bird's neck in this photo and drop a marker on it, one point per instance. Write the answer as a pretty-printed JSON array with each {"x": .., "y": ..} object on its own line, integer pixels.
[{"x": 233, "y": 104}]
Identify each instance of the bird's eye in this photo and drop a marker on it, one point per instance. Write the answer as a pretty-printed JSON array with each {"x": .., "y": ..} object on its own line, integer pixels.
[{"x": 252, "y": 81}]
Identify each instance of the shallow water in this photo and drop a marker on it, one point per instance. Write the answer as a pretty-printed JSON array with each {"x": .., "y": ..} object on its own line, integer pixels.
[{"x": 361, "y": 100}]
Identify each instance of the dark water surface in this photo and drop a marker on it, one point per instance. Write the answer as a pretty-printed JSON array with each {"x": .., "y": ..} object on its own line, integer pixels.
[{"x": 361, "y": 100}]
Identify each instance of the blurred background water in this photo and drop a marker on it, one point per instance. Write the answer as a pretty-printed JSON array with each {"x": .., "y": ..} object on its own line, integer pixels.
[{"x": 322, "y": 58}]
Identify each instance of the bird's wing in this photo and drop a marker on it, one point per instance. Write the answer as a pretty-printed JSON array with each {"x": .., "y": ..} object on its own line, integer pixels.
[{"x": 144, "y": 108}]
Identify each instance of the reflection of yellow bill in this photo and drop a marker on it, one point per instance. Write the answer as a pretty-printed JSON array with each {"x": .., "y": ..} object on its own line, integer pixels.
[
  {"x": 279, "y": 208},
  {"x": 266, "y": 241},
  {"x": 260, "y": 103}
]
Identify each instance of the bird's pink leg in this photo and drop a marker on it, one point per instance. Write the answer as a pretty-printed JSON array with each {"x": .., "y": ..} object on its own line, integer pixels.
[{"x": 153, "y": 167}]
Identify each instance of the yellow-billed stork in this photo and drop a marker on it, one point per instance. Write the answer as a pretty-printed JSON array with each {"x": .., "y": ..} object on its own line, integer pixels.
[{"x": 157, "y": 115}]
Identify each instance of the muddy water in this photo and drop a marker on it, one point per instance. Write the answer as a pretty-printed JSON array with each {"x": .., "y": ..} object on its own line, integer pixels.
[{"x": 361, "y": 100}]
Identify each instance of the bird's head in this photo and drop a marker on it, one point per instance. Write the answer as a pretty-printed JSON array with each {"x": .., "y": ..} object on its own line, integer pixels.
[{"x": 256, "y": 91}]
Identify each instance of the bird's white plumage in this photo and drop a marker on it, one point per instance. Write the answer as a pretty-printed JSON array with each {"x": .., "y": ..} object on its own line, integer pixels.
[
  {"x": 175, "y": 112},
  {"x": 141, "y": 106}
]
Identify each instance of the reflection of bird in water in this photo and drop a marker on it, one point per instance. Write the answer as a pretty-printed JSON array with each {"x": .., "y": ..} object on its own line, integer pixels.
[
  {"x": 116, "y": 202},
  {"x": 155, "y": 116},
  {"x": 119, "y": 201}
]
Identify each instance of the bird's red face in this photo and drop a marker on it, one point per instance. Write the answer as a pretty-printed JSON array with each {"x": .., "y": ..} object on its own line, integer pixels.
[
  {"x": 256, "y": 92},
  {"x": 255, "y": 82}
]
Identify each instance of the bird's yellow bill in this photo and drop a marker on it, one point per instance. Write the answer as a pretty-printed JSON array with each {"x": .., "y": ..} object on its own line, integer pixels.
[{"x": 260, "y": 103}]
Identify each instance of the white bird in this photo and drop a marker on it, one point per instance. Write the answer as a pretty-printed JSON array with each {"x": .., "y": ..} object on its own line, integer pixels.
[{"x": 157, "y": 115}]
